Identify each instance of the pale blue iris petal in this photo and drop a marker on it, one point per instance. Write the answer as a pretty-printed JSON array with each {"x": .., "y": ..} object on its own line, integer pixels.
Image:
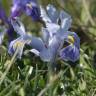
[
  {"x": 45, "y": 35},
  {"x": 45, "y": 55},
  {"x": 65, "y": 21},
  {"x": 37, "y": 43},
  {"x": 52, "y": 28},
  {"x": 39, "y": 49},
  {"x": 44, "y": 15},
  {"x": 52, "y": 13},
  {"x": 18, "y": 26},
  {"x": 70, "y": 53},
  {"x": 54, "y": 46}
]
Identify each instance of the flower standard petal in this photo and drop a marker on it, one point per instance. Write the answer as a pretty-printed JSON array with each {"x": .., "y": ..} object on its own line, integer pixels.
[
  {"x": 52, "y": 13},
  {"x": 44, "y": 15},
  {"x": 39, "y": 48},
  {"x": 52, "y": 28},
  {"x": 65, "y": 21}
]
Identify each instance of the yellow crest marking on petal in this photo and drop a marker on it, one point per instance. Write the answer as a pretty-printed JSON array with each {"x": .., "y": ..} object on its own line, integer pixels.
[
  {"x": 71, "y": 39},
  {"x": 18, "y": 44}
]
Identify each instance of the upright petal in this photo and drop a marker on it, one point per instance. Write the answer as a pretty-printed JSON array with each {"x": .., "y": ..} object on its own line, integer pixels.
[
  {"x": 52, "y": 28},
  {"x": 44, "y": 15},
  {"x": 16, "y": 8},
  {"x": 18, "y": 26},
  {"x": 54, "y": 46},
  {"x": 32, "y": 9},
  {"x": 52, "y": 13},
  {"x": 45, "y": 35},
  {"x": 65, "y": 21}
]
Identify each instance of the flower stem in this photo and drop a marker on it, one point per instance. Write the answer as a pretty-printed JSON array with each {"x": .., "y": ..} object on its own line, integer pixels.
[{"x": 51, "y": 76}]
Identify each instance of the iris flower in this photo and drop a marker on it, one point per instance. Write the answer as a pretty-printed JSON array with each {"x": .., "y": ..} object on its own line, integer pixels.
[
  {"x": 38, "y": 46},
  {"x": 19, "y": 43},
  {"x": 56, "y": 34},
  {"x": 30, "y": 7}
]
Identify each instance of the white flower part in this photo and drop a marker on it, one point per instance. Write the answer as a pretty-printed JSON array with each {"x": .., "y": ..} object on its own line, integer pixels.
[
  {"x": 52, "y": 28},
  {"x": 18, "y": 26},
  {"x": 44, "y": 15},
  {"x": 36, "y": 52}
]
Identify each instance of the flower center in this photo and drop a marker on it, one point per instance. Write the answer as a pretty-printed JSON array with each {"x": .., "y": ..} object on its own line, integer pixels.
[
  {"x": 71, "y": 39},
  {"x": 18, "y": 44}
]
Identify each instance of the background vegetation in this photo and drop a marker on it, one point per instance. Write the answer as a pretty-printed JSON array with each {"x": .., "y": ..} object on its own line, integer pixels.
[{"x": 29, "y": 76}]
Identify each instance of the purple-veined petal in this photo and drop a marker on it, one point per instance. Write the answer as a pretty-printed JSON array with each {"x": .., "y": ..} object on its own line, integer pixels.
[
  {"x": 70, "y": 53},
  {"x": 34, "y": 12},
  {"x": 32, "y": 9}
]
